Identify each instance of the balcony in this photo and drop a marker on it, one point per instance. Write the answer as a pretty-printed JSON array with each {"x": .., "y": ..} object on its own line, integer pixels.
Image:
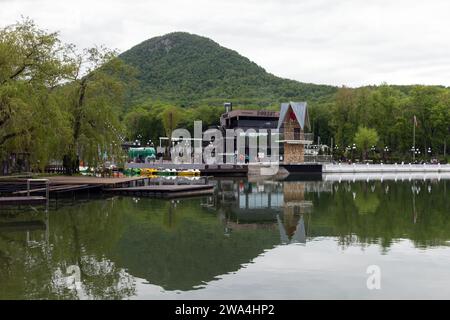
[{"x": 296, "y": 137}]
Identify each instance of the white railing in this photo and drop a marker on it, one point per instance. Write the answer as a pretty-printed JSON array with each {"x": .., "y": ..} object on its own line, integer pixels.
[
  {"x": 305, "y": 138},
  {"x": 47, "y": 189},
  {"x": 367, "y": 168},
  {"x": 385, "y": 176},
  {"x": 318, "y": 158}
]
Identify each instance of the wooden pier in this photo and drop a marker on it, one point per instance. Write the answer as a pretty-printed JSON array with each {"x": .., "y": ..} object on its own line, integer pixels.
[
  {"x": 30, "y": 200},
  {"x": 165, "y": 191},
  {"x": 64, "y": 184},
  {"x": 20, "y": 191},
  {"x": 225, "y": 170}
]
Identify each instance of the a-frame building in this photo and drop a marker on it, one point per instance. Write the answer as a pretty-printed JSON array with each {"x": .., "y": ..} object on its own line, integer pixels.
[{"x": 294, "y": 124}]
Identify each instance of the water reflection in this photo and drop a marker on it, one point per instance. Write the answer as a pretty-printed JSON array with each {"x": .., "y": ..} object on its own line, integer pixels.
[
  {"x": 185, "y": 245},
  {"x": 278, "y": 205}
]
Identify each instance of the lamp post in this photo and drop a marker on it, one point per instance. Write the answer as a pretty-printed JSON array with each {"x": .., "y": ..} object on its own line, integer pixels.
[
  {"x": 386, "y": 150},
  {"x": 353, "y": 152},
  {"x": 347, "y": 152},
  {"x": 336, "y": 150},
  {"x": 413, "y": 150},
  {"x": 416, "y": 153},
  {"x": 373, "y": 149}
]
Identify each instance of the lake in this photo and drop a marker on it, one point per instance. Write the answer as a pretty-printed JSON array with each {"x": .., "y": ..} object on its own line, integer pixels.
[{"x": 250, "y": 240}]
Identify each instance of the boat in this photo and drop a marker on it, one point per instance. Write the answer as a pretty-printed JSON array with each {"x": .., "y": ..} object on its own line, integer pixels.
[
  {"x": 189, "y": 172},
  {"x": 148, "y": 171},
  {"x": 166, "y": 172},
  {"x": 132, "y": 172}
]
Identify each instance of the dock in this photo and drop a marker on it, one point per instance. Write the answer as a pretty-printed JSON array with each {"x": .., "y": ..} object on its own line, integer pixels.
[
  {"x": 225, "y": 170},
  {"x": 23, "y": 191},
  {"x": 57, "y": 189},
  {"x": 165, "y": 191},
  {"x": 28, "y": 200},
  {"x": 233, "y": 170},
  {"x": 19, "y": 226},
  {"x": 65, "y": 184}
]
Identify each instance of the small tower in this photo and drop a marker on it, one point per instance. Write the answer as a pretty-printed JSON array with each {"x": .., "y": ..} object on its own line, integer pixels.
[{"x": 293, "y": 122}]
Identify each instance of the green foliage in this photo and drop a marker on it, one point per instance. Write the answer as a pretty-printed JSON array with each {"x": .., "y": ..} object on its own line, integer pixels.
[
  {"x": 56, "y": 102},
  {"x": 389, "y": 111},
  {"x": 171, "y": 118},
  {"x": 189, "y": 70},
  {"x": 365, "y": 138},
  {"x": 32, "y": 64},
  {"x": 94, "y": 100}
]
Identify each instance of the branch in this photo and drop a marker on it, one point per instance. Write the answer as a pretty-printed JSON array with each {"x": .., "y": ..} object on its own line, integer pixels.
[
  {"x": 4, "y": 119},
  {"x": 22, "y": 68},
  {"x": 19, "y": 71},
  {"x": 11, "y": 135}
]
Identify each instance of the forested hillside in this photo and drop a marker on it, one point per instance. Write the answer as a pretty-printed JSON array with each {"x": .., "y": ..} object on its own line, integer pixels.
[{"x": 187, "y": 69}]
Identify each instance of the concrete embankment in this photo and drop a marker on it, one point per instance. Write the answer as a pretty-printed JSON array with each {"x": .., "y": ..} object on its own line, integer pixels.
[{"x": 381, "y": 168}]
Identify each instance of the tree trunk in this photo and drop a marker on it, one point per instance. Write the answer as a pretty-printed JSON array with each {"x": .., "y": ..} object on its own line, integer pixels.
[{"x": 71, "y": 160}]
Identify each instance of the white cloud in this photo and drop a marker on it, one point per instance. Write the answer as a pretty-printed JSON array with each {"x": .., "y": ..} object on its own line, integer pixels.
[{"x": 347, "y": 42}]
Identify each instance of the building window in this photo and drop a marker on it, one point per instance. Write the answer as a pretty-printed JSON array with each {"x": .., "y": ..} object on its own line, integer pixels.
[{"x": 297, "y": 133}]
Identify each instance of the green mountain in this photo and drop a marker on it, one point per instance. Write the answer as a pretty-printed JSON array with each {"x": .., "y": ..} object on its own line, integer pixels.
[{"x": 188, "y": 69}]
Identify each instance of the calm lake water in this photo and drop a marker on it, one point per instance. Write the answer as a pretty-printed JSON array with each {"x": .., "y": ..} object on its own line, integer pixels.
[{"x": 251, "y": 240}]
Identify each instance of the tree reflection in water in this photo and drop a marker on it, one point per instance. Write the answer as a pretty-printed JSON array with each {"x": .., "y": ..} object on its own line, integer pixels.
[{"x": 182, "y": 244}]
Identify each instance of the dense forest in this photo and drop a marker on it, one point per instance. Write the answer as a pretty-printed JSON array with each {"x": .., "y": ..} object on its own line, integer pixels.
[
  {"x": 190, "y": 70},
  {"x": 61, "y": 103}
]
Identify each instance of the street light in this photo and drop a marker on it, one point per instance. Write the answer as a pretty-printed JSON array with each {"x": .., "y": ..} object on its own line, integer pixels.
[
  {"x": 417, "y": 152},
  {"x": 386, "y": 150},
  {"x": 414, "y": 152}
]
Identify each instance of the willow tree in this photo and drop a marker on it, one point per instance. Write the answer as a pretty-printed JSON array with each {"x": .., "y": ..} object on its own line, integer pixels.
[
  {"x": 93, "y": 101},
  {"x": 171, "y": 117},
  {"x": 32, "y": 64},
  {"x": 365, "y": 138}
]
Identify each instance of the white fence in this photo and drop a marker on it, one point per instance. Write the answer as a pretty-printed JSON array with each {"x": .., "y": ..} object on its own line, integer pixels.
[
  {"x": 377, "y": 168},
  {"x": 386, "y": 176}
]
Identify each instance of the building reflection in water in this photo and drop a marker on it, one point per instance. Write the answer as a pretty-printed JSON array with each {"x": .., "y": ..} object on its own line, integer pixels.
[{"x": 276, "y": 205}]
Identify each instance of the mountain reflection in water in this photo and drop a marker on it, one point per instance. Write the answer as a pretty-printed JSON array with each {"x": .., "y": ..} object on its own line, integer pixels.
[{"x": 244, "y": 235}]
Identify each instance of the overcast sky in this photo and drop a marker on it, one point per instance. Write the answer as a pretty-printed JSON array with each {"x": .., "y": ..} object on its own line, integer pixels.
[{"x": 339, "y": 42}]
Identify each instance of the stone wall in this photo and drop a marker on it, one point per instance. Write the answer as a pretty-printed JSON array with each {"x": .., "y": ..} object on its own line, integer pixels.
[{"x": 294, "y": 153}]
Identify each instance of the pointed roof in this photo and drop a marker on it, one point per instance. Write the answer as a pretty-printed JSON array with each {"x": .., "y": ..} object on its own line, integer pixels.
[{"x": 300, "y": 110}]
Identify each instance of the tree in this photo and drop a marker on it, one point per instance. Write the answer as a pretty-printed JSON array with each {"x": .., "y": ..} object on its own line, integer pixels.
[
  {"x": 94, "y": 100},
  {"x": 440, "y": 123},
  {"x": 344, "y": 118},
  {"x": 32, "y": 65},
  {"x": 144, "y": 124},
  {"x": 170, "y": 118},
  {"x": 365, "y": 138}
]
